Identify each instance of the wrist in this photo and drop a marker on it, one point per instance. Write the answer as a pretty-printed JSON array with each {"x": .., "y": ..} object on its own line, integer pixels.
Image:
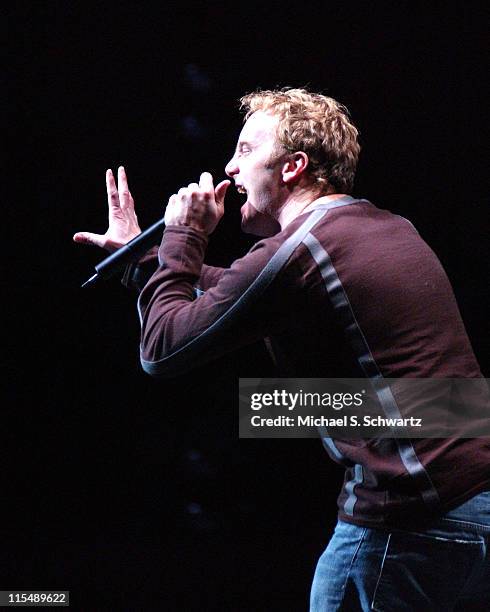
[
  {"x": 188, "y": 230},
  {"x": 183, "y": 247},
  {"x": 192, "y": 225}
]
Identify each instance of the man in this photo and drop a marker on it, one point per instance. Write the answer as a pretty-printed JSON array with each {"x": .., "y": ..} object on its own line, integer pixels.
[{"x": 339, "y": 288}]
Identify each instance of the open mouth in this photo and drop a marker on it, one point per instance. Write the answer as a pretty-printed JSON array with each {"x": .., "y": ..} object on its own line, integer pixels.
[{"x": 241, "y": 189}]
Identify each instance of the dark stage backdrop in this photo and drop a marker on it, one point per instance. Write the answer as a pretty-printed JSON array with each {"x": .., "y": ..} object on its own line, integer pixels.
[{"x": 135, "y": 493}]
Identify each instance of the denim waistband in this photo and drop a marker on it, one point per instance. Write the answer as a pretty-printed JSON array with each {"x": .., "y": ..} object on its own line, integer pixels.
[{"x": 474, "y": 514}]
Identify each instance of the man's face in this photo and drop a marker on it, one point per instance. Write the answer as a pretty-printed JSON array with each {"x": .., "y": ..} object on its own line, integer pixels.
[{"x": 256, "y": 169}]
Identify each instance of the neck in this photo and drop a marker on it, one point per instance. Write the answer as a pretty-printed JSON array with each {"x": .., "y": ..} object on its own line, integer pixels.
[{"x": 300, "y": 203}]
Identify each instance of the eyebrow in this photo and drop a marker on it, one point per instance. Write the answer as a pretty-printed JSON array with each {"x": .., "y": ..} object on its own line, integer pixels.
[{"x": 243, "y": 143}]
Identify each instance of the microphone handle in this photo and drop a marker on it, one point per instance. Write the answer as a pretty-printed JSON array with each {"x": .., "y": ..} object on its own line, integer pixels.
[{"x": 129, "y": 252}]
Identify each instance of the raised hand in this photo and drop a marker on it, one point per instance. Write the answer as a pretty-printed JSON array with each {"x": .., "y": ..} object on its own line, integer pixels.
[{"x": 123, "y": 223}]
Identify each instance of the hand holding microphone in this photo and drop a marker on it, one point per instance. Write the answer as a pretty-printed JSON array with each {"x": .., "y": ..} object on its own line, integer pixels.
[{"x": 200, "y": 206}]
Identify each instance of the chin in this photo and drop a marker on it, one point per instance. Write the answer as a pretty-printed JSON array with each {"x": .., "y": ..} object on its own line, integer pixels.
[{"x": 258, "y": 223}]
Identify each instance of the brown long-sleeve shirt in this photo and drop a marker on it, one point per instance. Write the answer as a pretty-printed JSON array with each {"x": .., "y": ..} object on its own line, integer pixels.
[{"x": 359, "y": 293}]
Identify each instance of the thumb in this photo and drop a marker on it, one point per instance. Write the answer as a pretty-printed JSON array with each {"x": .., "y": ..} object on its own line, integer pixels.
[
  {"x": 220, "y": 191},
  {"x": 89, "y": 238}
]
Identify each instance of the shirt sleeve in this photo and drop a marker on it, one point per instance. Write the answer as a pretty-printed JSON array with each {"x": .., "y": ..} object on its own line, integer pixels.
[
  {"x": 138, "y": 273},
  {"x": 210, "y": 276},
  {"x": 180, "y": 332}
]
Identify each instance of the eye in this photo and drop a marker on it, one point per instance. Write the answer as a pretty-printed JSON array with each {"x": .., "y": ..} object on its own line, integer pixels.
[{"x": 244, "y": 149}]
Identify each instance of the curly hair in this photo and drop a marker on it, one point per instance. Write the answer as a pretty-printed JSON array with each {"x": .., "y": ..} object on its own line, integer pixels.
[{"x": 317, "y": 125}]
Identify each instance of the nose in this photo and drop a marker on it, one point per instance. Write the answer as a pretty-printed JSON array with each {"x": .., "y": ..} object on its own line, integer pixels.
[{"x": 231, "y": 168}]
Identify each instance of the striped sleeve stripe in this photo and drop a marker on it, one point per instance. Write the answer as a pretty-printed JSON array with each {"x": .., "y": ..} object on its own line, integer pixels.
[{"x": 343, "y": 307}]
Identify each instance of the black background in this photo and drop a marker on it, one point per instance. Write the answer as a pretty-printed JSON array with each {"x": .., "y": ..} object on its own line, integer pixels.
[{"x": 135, "y": 493}]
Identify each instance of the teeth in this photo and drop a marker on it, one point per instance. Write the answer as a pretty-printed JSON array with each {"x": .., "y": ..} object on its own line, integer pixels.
[{"x": 241, "y": 190}]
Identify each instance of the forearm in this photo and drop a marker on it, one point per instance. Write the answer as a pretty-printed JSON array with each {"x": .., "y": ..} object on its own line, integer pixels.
[
  {"x": 165, "y": 300},
  {"x": 210, "y": 277},
  {"x": 137, "y": 274},
  {"x": 178, "y": 331}
]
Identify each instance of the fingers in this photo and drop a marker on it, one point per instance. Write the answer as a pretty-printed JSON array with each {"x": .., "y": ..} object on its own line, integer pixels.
[
  {"x": 89, "y": 238},
  {"x": 220, "y": 192},
  {"x": 112, "y": 194},
  {"x": 172, "y": 200},
  {"x": 206, "y": 182},
  {"x": 198, "y": 205},
  {"x": 204, "y": 190},
  {"x": 118, "y": 196},
  {"x": 170, "y": 209},
  {"x": 125, "y": 198}
]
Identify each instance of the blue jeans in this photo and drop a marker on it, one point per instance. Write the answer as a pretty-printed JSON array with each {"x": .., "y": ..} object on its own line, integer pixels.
[{"x": 445, "y": 566}]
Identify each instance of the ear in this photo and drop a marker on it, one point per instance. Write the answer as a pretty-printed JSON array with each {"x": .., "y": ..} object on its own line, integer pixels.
[{"x": 295, "y": 166}]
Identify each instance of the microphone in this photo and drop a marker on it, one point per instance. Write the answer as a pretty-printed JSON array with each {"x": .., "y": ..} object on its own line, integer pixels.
[{"x": 127, "y": 253}]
